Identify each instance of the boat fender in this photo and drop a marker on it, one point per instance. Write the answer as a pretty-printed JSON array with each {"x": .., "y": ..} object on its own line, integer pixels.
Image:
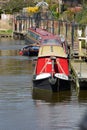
[
  {"x": 52, "y": 80},
  {"x": 21, "y": 53},
  {"x": 34, "y": 76}
]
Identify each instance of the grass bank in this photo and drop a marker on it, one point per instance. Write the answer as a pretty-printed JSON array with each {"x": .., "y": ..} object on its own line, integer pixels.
[{"x": 5, "y": 31}]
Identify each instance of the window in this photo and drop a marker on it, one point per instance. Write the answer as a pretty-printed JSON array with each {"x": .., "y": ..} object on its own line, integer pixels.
[
  {"x": 35, "y": 36},
  {"x": 51, "y": 41}
]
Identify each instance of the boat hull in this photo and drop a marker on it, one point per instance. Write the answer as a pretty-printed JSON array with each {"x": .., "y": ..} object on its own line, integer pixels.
[
  {"x": 52, "y": 69},
  {"x": 83, "y": 85},
  {"x": 30, "y": 53},
  {"x": 47, "y": 84}
]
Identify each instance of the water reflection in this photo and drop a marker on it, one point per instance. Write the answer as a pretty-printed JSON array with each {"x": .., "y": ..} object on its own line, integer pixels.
[
  {"x": 24, "y": 108},
  {"x": 12, "y": 65},
  {"x": 83, "y": 122},
  {"x": 50, "y": 97},
  {"x": 82, "y": 97},
  {"x": 8, "y": 52}
]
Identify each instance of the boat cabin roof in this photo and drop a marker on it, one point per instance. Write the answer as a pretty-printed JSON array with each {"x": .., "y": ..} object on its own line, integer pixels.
[
  {"x": 40, "y": 31},
  {"x": 52, "y": 50},
  {"x": 44, "y": 37}
]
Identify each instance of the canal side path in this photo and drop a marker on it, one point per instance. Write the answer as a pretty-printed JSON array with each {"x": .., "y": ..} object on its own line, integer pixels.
[{"x": 78, "y": 65}]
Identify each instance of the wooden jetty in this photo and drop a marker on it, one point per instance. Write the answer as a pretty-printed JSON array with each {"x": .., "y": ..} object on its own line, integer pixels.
[
  {"x": 78, "y": 64},
  {"x": 19, "y": 35},
  {"x": 5, "y": 35},
  {"x": 79, "y": 73}
]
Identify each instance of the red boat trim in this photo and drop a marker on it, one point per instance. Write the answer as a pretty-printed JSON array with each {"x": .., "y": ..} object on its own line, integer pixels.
[
  {"x": 44, "y": 66},
  {"x": 60, "y": 66}
]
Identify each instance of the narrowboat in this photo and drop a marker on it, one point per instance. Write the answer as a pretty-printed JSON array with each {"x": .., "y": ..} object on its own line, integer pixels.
[
  {"x": 29, "y": 50},
  {"x": 52, "y": 70},
  {"x": 35, "y": 37}
]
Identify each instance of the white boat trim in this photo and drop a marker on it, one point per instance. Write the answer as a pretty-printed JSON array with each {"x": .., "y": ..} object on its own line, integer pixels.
[
  {"x": 61, "y": 76},
  {"x": 43, "y": 76}
]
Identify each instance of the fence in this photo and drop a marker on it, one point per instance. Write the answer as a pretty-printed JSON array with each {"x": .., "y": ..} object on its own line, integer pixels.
[{"x": 69, "y": 30}]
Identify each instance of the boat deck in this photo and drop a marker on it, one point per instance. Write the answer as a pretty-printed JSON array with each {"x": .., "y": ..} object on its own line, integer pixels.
[{"x": 79, "y": 72}]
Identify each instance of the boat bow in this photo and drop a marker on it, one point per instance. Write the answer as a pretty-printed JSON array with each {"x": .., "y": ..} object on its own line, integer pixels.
[
  {"x": 43, "y": 76},
  {"x": 61, "y": 76}
]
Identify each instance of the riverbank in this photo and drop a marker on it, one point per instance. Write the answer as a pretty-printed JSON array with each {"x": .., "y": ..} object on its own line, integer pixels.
[
  {"x": 5, "y": 28},
  {"x": 6, "y": 33}
]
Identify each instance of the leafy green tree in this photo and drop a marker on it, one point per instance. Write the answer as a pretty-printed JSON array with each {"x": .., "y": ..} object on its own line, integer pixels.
[
  {"x": 81, "y": 17},
  {"x": 16, "y": 5}
]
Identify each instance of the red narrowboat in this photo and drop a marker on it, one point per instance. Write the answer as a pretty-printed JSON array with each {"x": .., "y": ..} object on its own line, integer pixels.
[{"x": 52, "y": 69}]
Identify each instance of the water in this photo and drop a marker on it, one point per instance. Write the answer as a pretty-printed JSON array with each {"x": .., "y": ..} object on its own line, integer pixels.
[{"x": 22, "y": 108}]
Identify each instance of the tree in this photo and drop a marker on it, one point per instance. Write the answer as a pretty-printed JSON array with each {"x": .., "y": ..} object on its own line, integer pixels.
[
  {"x": 81, "y": 16},
  {"x": 16, "y": 5}
]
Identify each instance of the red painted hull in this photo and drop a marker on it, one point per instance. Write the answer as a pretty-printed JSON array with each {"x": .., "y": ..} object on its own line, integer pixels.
[{"x": 54, "y": 78}]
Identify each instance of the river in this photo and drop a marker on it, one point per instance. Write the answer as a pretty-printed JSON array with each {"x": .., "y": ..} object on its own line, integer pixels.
[{"x": 22, "y": 108}]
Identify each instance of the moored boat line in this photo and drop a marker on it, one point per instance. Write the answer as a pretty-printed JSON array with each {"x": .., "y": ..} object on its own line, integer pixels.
[{"x": 35, "y": 37}]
